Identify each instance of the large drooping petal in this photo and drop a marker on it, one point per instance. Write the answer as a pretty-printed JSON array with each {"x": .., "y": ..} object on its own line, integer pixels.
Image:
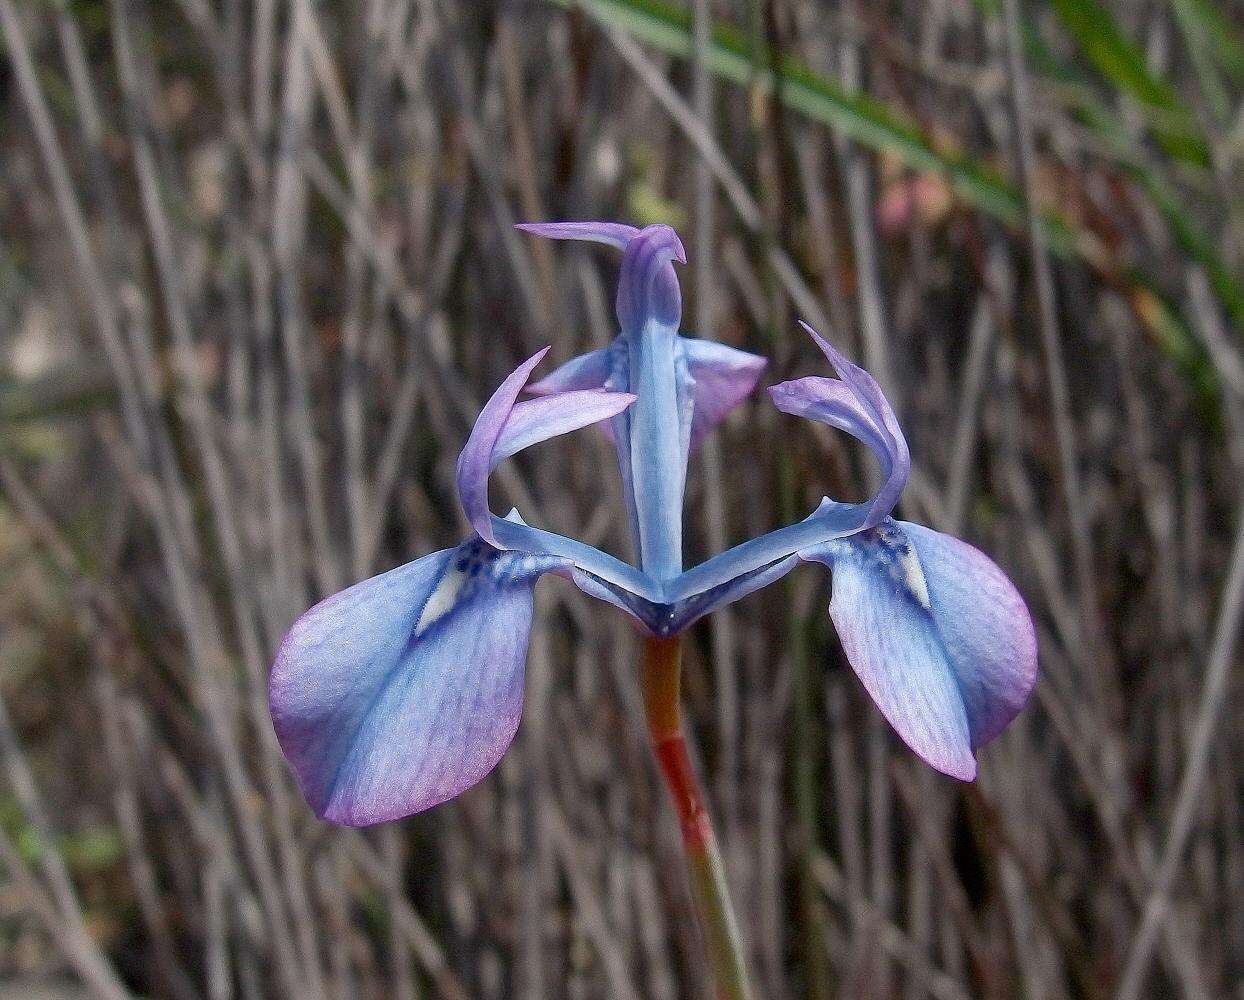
[
  {"x": 937, "y": 634},
  {"x": 405, "y": 690},
  {"x": 985, "y": 626},
  {"x": 853, "y": 403}
]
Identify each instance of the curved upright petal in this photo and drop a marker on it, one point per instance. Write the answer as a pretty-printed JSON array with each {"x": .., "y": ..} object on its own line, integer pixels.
[
  {"x": 648, "y": 288},
  {"x": 506, "y": 426},
  {"x": 405, "y": 690},
  {"x": 853, "y": 403},
  {"x": 475, "y": 459},
  {"x": 937, "y": 634}
]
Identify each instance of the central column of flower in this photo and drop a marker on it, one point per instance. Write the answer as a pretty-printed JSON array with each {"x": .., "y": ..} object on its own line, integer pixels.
[{"x": 657, "y": 426}]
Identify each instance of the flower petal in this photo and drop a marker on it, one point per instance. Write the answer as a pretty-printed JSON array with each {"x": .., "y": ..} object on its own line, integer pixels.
[
  {"x": 985, "y": 626},
  {"x": 652, "y": 439},
  {"x": 504, "y": 428},
  {"x": 602, "y": 369},
  {"x": 722, "y": 377},
  {"x": 405, "y": 690},
  {"x": 648, "y": 288},
  {"x": 615, "y": 234},
  {"x": 856, "y": 405},
  {"x": 475, "y": 460},
  {"x": 682, "y": 614},
  {"x": 937, "y": 634},
  {"x": 828, "y": 522},
  {"x": 588, "y": 371},
  {"x": 536, "y": 420}
]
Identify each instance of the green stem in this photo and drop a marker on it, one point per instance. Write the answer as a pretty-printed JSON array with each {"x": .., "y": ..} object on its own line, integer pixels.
[{"x": 705, "y": 869}]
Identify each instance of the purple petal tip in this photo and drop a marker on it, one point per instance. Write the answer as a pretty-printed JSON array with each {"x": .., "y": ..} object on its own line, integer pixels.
[{"x": 835, "y": 356}]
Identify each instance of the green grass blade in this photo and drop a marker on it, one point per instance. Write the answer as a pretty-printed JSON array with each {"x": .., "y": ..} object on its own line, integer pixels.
[
  {"x": 1217, "y": 33},
  {"x": 1120, "y": 60},
  {"x": 863, "y": 118},
  {"x": 731, "y": 56}
]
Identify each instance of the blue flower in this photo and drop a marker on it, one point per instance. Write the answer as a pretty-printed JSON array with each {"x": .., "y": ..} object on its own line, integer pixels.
[{"x": 404, "y": 690}]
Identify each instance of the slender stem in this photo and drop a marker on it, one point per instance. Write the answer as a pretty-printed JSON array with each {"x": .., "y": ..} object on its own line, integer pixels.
[{"x": 661, "y": 670}]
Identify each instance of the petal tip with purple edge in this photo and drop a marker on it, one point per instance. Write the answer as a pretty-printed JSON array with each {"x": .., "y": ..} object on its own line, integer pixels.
[
  {"x": 680, "y": 252},
  {"x": 614, "y": 234}
]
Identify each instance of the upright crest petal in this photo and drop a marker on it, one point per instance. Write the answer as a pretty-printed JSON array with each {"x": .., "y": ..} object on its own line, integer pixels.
[
  {"x": 505, "y": 427},
  {"x": 405, "y": 690},
  {"x": 854, "y": 404},
  {"x": 648, "y": 288}
]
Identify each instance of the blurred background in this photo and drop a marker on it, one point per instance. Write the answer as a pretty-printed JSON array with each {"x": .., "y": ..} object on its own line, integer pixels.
[{"x": 257, "y": 274}]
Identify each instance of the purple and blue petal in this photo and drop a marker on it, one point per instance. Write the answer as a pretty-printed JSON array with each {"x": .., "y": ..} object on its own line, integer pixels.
[
  {"x": 721, "y": 378},
  {"x": 614, "y": 234},
  {"x": 475, "y": 459},
  {"x": 535, "y": 420},
  {"x": 405, "y": 690},
  {"x": 853, "y": 403},
  {"x": 506, "y": 426},
  {"x": 937, "y": 634}
]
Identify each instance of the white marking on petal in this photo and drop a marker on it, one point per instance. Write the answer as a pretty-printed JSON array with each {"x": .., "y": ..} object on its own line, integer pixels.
[
  {"x": 913, "y": 575},
  {"x": 889, "y": 551},
  {"x": 442, "y": 600}
]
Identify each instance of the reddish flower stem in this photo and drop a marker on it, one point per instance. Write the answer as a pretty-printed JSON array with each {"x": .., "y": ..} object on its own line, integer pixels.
[{"x": 661, "y": 673}]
